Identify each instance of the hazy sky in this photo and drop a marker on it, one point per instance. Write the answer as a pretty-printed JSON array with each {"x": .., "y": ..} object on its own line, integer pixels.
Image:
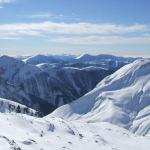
[{"x": 120, "y": 27}]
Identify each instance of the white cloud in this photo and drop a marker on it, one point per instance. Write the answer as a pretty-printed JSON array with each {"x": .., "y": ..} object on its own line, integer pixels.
[
  {"x": 20, "y": 34},
  {"x": 40, "y": 15},
  {"x": 6, "y": 1},
  {"x": 79, "y": 33},
  {"x": 74, "y": 28},
  {"x": 49, "y": 15},
  {"x": 102, "y": 40}
]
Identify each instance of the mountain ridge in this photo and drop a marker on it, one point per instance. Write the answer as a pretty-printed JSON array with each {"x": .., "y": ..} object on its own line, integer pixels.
[{"x": 118, "y": 99}]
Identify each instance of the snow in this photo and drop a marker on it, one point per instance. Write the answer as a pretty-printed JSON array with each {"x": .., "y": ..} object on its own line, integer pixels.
[
  {"x": 113, "y": 116},
  {"x": 22, "y": 82},
  {"x": 37, "y": 59},
  {"x": 105, "y": 59},
  {"x": 30, "y": 133},
  {"x": 122, "y": 99},
  {"x": 8, "y": 106},
  {"x": 15, "y": 70}
]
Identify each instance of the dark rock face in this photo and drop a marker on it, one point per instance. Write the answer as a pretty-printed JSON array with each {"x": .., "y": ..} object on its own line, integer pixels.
[{"x": 46, "y": 86}]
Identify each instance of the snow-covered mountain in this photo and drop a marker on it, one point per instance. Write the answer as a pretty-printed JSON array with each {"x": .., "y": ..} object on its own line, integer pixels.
[
  {"x": 13, "y": 75},
  {"x": 103, "y": 60},
  {"x": 57, "y": 80},
  {"x": 94, "y": 121},
  {"x": 46, "y": 86},
  {"x": 122, "y": 98},
  {"x": 38, "y": 59},
  {"x": 68, "y": 83},
  {"x": 8, "y": 106}
]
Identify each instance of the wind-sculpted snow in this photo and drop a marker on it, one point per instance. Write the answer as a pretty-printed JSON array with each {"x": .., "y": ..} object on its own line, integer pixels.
[
  {"x": 122, "y": 99},
  {"x": 22, "y": 132}
]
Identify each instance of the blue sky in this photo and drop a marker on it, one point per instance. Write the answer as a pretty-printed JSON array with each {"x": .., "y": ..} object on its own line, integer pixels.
[{"x": 119, "y": 27}]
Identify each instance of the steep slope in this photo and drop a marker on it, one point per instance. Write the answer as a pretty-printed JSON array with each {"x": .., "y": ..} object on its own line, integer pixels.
[
  {"x": 13, "y": 75},
  {"x": 46, "y": 86},
  {"x": 68, "y": 83},
  {"x": 15, "y": 71},
  {"x": 122, "y": 99}
]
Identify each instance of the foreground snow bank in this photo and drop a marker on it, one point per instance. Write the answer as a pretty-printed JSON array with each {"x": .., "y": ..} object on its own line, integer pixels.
[{"x": 22, "y": 132}]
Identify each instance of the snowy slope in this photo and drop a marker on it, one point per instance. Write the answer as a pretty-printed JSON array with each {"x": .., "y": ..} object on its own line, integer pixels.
[
  {"x": 8, "y": 106},
  {"x": 21, "y": 132},
  {"x": 14, "y": 70},
  {"x": 122, "y": 99}
]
